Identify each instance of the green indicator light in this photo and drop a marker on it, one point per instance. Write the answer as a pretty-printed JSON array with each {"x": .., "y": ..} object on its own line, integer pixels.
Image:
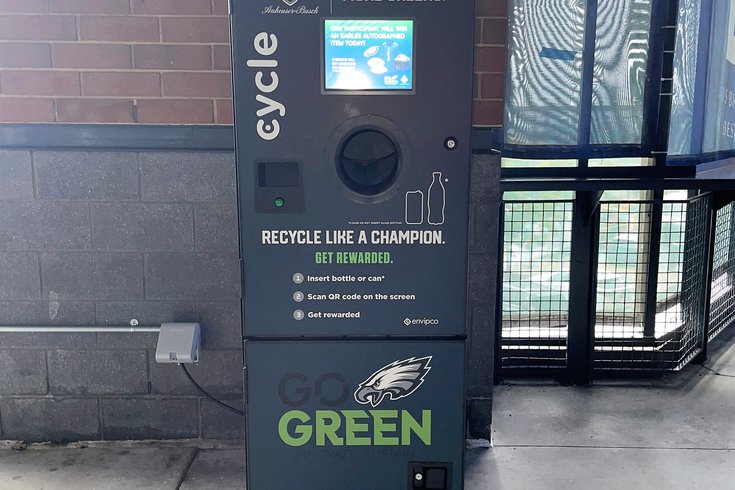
[{"x": 279, "y": 202}]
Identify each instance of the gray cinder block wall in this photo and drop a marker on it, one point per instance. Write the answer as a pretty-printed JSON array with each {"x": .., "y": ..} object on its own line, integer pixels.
[{"x": 100, "y": 238}]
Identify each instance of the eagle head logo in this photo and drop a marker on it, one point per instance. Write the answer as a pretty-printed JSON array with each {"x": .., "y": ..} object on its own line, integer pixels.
[{"x": 396, "y": 380}]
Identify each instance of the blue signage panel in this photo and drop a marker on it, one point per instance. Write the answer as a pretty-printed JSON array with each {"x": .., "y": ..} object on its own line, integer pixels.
[
  {"x": 368, "y": 55},
  {"x": 719, "y": 126},
  {"x": 702, "y": 128}
]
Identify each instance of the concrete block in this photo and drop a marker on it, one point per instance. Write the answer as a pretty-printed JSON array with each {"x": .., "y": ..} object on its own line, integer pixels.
[
  {"x": 188, "y": 177},
  {"x": 23, "y": 372},
  {"x": 53, "y": 311},
  {"x": 218, "y": 372},
  {"x": 216, "y": 227},
  {"x": 192, "y": 276},
  {"x": 44, "y": 226},
  {"x": 16, "y": 176},
  {"x": 481, "y": 350},
  {"x": 134, "y": 226},
  {"x": 221, "y": 324},
  {"x": 103, "y": 276},
  {"x": 97, "y": 372},
  {"x": 19, "y": 276},
  {"x": 485, "y": 179},
  {"x": 150, "y": 418},
  {"x": 95, "y": 175},
  {"x": 483, "y": 278},
  {"x": 219, "y": 423},
  {"x": 47, "y": 340},
  {"x": 48, "y": 419},
  {"x": 130, "y": 341},
  {"x": 484, "y": 233},
  {"x": 480, "y": 417}
]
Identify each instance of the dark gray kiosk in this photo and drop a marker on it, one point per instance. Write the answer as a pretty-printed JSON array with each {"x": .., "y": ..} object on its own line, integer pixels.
[{"x": 353, "y": 122}]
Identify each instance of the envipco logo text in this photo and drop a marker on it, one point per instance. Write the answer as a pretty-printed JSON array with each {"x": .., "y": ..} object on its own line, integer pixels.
[{"x": 420, "y": 321}]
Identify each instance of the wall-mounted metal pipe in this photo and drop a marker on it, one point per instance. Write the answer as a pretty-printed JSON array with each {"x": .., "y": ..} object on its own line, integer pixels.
[{"x": 77, "y": 329}]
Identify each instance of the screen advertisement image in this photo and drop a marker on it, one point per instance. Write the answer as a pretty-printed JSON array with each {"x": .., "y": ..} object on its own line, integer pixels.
[{"x": 368, "y": 55}]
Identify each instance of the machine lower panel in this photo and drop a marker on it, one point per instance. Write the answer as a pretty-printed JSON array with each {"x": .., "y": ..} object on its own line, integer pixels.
[{"x": 354, "y": 415}]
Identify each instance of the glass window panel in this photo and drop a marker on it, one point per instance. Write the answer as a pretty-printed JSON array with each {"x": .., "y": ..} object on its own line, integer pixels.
[
  {"x": 521, "y": 163},
  {"x": 685, "y": 76},
  {"x": 544, "y": 72},
  {"x": 539, "y": 196},
  {"x": 621, "y": 162},
  {"x": 621, "y": 62},
  {"x": 634, "y": 195},
  {"x": 676, "y": 195}
]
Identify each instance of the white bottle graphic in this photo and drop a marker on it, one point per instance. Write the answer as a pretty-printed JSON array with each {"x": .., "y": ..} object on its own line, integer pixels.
[
  {"x": 437, "y": 200},
  {"x": 414, "y": 208}
]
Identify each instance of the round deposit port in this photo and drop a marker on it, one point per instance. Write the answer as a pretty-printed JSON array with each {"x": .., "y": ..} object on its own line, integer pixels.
[{"x": 368, "y": 162}]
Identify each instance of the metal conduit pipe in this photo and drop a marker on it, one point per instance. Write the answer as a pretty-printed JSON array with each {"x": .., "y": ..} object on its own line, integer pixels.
[{"x": 76, "y": 329}]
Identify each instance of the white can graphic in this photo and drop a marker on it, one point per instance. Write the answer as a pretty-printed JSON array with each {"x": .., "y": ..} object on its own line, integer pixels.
[{"x": 414, "y": 208}]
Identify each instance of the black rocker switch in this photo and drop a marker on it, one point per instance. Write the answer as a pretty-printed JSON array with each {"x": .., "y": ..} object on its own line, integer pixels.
[
  {"x": 430, "y": 476},
  {"x": 436, "y": 478}
]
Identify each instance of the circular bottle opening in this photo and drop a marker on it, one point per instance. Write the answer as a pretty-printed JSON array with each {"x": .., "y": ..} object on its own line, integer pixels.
[{"x": 368, "y": 162}]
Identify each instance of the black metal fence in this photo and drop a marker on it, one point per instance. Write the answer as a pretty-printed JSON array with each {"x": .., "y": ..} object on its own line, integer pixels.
[
  {"x": 651, "y": 261},
  {"x": 722, "y": 303}
]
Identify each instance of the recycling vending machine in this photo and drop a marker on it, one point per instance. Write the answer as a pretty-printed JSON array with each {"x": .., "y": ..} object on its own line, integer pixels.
[{"x": 353, "y": 121}]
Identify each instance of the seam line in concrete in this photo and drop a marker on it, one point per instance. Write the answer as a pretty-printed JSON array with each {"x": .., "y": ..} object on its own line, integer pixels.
[
  {"x": 187, "y": 467},
  {"x": 646, "y": 448}
]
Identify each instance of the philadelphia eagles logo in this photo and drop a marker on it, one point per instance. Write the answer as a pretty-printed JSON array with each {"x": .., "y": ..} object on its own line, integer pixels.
[{"x": 396, "y": 380}]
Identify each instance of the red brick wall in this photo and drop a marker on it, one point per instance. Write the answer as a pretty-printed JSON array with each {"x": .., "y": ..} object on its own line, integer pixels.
[
  {"x": 490, "y": 40},
  {"x": 156, "y": 61}
]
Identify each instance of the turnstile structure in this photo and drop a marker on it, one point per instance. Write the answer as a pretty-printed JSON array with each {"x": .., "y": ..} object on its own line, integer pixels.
[{"x": 353, "y": 123}]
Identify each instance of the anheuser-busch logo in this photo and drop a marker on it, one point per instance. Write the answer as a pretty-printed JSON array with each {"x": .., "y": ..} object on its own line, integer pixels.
[
  {"x": 268, "y": 125},
  {"x": 292, "y": 9}
]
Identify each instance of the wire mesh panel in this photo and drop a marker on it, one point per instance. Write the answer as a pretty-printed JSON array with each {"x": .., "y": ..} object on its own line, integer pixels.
[
  {"x": 694, "y": 281},
  {"x": 671, "y": 267},
  {"x": 535, "y": 306},
  {"x": 624, "y": 340},
  {"x": 625, "y": 236},
  {"x": 722, "y": 299}
]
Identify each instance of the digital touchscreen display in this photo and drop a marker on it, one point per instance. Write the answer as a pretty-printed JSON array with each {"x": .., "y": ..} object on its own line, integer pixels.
[{"x": 368, "y": 55}]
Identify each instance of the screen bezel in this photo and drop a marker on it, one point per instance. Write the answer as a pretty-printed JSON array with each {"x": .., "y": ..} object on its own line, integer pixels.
[{"x": 332, "y": 91}]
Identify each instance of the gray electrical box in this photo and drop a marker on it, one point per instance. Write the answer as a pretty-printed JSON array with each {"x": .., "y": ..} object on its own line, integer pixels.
[{"x": 178, "y": 343}]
